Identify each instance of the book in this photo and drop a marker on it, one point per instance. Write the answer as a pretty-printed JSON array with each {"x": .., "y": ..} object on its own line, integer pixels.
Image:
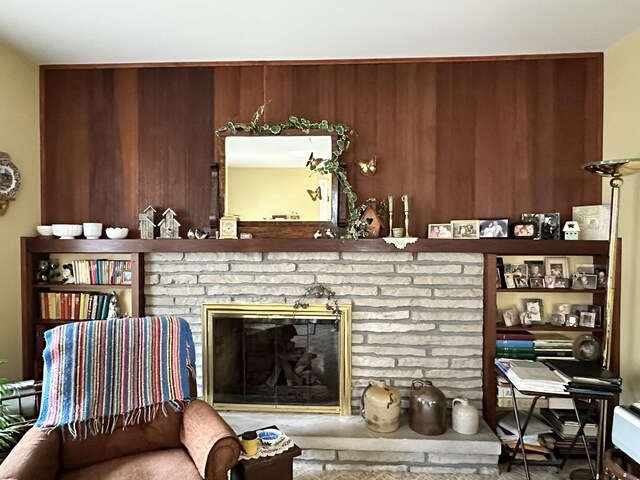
[
  {"x": 532, "y": 376},
  {"x": 566, "y": 425},
  {"x": 585, "y": 372},
  {"x": 514, "y": 343}
]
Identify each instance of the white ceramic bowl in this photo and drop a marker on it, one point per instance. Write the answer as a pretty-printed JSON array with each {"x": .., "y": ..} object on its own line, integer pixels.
[
  {"x": 92, "y": 231},
  {"x": 66, "y": 230},
  {"x": 44, "y": 230},
  {"x": 115, "y": 233}
]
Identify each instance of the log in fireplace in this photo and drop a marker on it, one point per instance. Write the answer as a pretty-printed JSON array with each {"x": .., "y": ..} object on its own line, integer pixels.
[{"x": 262, "y": 357}]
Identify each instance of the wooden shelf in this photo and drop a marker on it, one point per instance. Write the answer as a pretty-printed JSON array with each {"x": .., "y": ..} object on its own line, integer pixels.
[
  {"x": 79, "y": 286},
  {"x": 547, "y": 327},
  {"x": 552, "y": 290}
]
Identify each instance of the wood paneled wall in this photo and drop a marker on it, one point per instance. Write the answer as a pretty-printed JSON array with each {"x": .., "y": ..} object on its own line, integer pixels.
[{"x": 465, "y": 139}]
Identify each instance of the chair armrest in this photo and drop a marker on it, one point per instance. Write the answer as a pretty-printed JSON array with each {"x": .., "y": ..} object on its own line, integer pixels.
[
  {"x": 35, "y": 457},
  {"x": 211, "y": 443}
]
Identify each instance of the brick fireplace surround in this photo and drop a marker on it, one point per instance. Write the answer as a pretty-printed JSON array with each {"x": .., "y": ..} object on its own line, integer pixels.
[{"x": 415, "y": 315}]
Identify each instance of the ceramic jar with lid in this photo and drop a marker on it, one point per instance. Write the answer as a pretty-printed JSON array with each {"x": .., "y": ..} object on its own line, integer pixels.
[
  {"x": 428, "y": 409},
  {"x": 464, "y": 417},
  {"x": 381, "y": 407}
]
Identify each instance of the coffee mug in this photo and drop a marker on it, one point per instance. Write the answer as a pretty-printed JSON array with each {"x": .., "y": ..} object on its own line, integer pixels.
[{"x": 249, "y": 442}]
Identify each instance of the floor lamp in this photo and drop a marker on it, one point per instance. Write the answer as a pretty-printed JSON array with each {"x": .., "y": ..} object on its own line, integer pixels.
[{"x": 616, "y": 169}]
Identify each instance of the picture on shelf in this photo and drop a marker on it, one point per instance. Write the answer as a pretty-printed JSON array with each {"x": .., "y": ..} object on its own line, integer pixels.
[
  {"x": 468, "y": 229},
  {"x": 533, "y": 309},
  {"x": 498, "y": 278},
  {"x": 535, "y": 219},
  {"x": 549, "y": 281},
  {"x": 561, "y": 283},
  {"x": 510, "y": 316},
  {"x": 583, "y": 281},
  {"x": 536, "y": 282},
  {"x": 571, "y": 320},
  {"x": 587, "y": 319},
  {"x": 498, "y": 228},
  {"x": 550, "y": 226},
  {"x": 585, "y": 268},
  {"x": 509, "y": 282},
  {"x": 535, "y": 268},
  {"x": 525, "y": 230},
  {"x": 440, "y": 230},
  {"x": 557, "y": 320},
  {"x": 597, "y": 309},
  {"x": 518, "y": 270},
  {"x": 557, "y": 267},
  {"x": 521, "y": 282},
  {"x": 601, "y": 273}
]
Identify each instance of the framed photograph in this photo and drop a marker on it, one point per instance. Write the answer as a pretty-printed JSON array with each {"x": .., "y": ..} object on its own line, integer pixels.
[
  {"x": 534, "y": 309},
  {"x": 126, "y": 277},
  {"x": 535, "y": 268},
  {"x": 587, "y": 319},
  {"x": 440, "y": 230},
  {"x": 525, "y": 230},
  {"x": 465, "y": 229},
  {"x": 578, "y": 308},
  {"x": 557, "y": 320},
  {"x": 549, "y": 281},
  {"x": 498, "y": 228},
  {"x": 597, "y": 309},
  {"x": 509, "y": 282},
  {"x": 536, "y": 282},
  {"x": 550, "y": 226},
  {"x": 561, "y": 282},
  {"x": 562, "y": 310},
  {"x": 521, "y": 282},
  {"x": 557, "y": 267},
  {"x": 498, "y": 278},
  {"x": 601, "y": 272},
  {"x": 511, "y": 316},
  {"x": 585, "y": 268},
  {"x": 535, "y": 219},
  {"x": 583, "y": 281},
  {"x": 518, "y": 270},
  {"x": 571, "y": 320}
]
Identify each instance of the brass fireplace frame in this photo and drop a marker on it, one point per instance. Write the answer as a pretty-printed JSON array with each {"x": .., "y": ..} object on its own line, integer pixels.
[{"x": 212, "y": 310}]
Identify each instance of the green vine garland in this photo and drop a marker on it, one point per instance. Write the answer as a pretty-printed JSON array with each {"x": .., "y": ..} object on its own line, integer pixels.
[{"x": 354, "y": 228}]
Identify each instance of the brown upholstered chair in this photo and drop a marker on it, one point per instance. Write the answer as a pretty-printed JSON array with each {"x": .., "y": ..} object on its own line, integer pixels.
[{"x": 193, "y": 444}]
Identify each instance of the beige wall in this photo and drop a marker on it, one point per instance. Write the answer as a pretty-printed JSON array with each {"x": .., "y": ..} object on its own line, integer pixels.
[
  {"x": 20, "y": 138},
  {"x": 622, "y": 139}
]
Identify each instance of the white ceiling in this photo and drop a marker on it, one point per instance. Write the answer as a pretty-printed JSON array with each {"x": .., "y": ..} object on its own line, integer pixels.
[{"x": 118, "y": 31}]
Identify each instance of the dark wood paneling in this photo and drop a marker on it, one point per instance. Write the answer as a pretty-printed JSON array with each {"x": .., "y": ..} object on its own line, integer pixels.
[{"x": 464, "y": 139}]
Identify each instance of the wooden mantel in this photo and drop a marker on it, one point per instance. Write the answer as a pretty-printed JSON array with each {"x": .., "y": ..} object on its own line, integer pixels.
[{"x": 490, "y": 246}]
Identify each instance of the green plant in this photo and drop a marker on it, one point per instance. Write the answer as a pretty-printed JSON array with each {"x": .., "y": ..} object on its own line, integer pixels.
[
  {"x": 354, "y": 228},
  {"x": 11, "y": 426}
]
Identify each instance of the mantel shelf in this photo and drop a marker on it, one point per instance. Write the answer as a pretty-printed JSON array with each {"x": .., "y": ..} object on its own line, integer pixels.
[{"x": 498, "y": 247}]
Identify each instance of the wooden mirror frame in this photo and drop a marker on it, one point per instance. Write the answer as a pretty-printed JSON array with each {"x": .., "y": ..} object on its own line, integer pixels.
[{"x": 343, "y": 210}]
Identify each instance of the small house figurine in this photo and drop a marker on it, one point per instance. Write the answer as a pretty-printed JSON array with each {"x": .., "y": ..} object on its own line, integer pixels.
[
  {"x": 571, "y": 231},
  {"x": 146, "y": 226},
  {"x": 169, "y": 226}
]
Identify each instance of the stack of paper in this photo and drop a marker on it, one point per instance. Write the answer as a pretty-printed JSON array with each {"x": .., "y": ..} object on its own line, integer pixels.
[{"x": 532, "y": 376}]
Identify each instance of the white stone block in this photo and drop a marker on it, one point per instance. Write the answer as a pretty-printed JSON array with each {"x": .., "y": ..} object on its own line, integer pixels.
[
  {"x": 449, "y": 315},
  {"x": 408, "y": 339},
  {"x": 387, "y": 372},
  {"x": 372, "y": 302},
  {"x": 458, "y": 292},
  {"x": 194, "y": 267},
  {"x": 201, "y": 300},
  {"x": 463, "y": 384},
  {"x": 340, "y": 268},
  {"x": 466, "y": 458},
  {"x": 346, "y": 290},
  {"x": 160, "y": 300},
  {"x": 263, "y": 267},
  {"x": 424, "y": 362},
  {"x": 455, "y": 352},
  {"x": 178, "y": 279},
  {"x": 445, "y": 303},
  {"x": 380, "y": 457},
  {"x": 429, "y": 269},
  {"x": 375, "y": 257},
  {"x": 223, "y": 257},
  {"x": 357, "y": 339},
  {"x": 363, "y": 279},
  {"x": 380, "y": 315},
  {"x": 405, "y": 292},
  {"x": 438, "y": 469},
  {"x": 392, "y": 327},
  {"x": 458, "y": 280},
  {"x": 450, "y": 257},
  {"x": 447, "y": 373},
  {"x": 466, "y": 328},
  {"x": 473, "y": 269},
  {"x": 246, "y": 289},
  {"x": 364, "y": 361},
  {"x": 163, "y": 257},
  {"x": 175, "y": 291},
  {"x": 151, "y": 279},
  {"x": 466, "y": 362},
  {"x": 301, "y": 467},
  {"x": 315, "y": 454},
  {"x": 303, "y": 256},
  {"x": 383, "y": 350},
  {"x": 357, "y": 466}
]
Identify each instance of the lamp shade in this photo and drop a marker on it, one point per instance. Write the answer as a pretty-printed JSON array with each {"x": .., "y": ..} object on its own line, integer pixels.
[{"x": 621, "y": 167}]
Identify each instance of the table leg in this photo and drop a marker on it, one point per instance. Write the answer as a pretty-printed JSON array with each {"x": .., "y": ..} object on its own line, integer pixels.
[{"x": 521, "y": 430}]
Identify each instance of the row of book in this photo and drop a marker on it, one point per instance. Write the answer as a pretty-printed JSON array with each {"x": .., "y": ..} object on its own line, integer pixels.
[
  {"x": 74, "y": 305},
  {"x": 101, "y": 272},
  {"x": 526, "y": 346}
]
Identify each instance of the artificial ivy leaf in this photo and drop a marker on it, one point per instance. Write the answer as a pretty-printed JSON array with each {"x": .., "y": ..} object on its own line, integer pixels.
[
  {"x": 340, "y": 129},
  {"x": 324, "y": 124},
  {"x": 275, "y": 129}
]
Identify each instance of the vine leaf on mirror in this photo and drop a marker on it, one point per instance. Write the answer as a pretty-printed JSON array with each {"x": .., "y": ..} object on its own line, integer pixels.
[{"x": 355, "y": 228}]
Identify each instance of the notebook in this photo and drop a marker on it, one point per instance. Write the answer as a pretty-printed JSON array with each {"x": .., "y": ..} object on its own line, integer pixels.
[{"x": 584, "y": 372}]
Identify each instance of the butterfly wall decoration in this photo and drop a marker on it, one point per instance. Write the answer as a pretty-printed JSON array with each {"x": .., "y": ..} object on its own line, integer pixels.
[
  {"x": 315, "y": 194},
  {"x": 367, "y": 167},
  {"x": 313, "y": 163}
]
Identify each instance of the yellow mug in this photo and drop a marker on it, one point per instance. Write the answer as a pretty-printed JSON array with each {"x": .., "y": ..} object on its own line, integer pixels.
[{"x": 249, "y": 442}]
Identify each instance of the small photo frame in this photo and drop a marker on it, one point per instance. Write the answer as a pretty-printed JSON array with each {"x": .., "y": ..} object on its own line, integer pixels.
[
  {"x": 533, "y": 307},
  {"x": 521, "y": 282},
  {"x": 509, "y": 282},
  {"x": 587, "y": 319},
  {"x": 549, "y": 281},
  {"x": 571, "y": 320},
  {"x": 510, "y": 316},
  {"x": 601, "y": 272},
  {"x": 126, "y": 276},
  {"x": 582, "y": 281},
  {"x": 550, "y": 226},
  {"x": 496, "y": 228},
  {"x": 597, "y": 309},
  {"x": 535, "y": 268},
  {"x": 465, "y": 229},
  {"x": 518, "y": 270},
  {"x": 557, "y": 267},
  {"x": 536, "y": 282},
  {"x": 562, "y": 310},
  {"x": 440, "y": 230},
  {"x": 525, "y": 230},
  {"x": 561, "y": 282},
  {"x": 557, "y": 320},
  {"x": 585, "y": 268},
  {"x": 535, "y": 219}
]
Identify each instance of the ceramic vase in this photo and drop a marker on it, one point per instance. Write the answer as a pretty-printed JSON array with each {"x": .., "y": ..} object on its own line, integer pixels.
[{"x": 381, "y": 407}]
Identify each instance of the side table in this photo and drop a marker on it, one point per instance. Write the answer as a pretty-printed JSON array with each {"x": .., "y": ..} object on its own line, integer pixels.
[{"x": 278, "y": 467}]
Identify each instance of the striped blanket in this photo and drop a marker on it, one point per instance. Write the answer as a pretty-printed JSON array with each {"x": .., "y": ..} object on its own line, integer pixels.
[{"x": 97, "y": 373}]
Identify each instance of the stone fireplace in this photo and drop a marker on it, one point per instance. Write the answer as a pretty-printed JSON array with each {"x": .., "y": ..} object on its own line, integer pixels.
[{"x": 263, "y": 357}]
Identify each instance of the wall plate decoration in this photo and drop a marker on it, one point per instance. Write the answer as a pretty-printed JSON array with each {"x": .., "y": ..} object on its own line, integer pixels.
[{"x": 9, "y": 176}]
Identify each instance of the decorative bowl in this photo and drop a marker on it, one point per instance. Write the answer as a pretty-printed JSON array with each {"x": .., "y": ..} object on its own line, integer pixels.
[
  {"x": 92, "y": 231},
  {"x": 117, "y": 233},
  {"x": 269, "y": 436},
  {"x": 66, "y": 231},
  {"x": 44, "y": 230}
]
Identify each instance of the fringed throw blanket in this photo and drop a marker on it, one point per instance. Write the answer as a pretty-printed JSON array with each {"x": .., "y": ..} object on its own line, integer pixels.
[{"x": 99, "y": 372}]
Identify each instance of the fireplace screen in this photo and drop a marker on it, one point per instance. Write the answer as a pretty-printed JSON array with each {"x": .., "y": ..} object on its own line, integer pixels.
[{"x": 277, "y": 358}]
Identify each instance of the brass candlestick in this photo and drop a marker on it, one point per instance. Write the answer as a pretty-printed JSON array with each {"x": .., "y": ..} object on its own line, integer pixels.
[
  {"x": 405, "y": 203},
  {"x": 390, "y": 202}
]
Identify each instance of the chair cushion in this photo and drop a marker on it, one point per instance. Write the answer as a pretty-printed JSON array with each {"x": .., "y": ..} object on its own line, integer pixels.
[
  {"x": 161, "y": 464},
  {"x": 163, "y": 432}
]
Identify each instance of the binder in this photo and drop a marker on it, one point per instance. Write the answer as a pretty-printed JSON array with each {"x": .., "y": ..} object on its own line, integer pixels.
[{"x": 584, "y": 372}]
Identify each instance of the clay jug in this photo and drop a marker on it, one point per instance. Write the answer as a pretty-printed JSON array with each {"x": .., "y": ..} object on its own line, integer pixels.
[
  {"x": 381, "y": 407},
  {"x": 464, "y": 417},
  {"x": 428, "y": 409}
]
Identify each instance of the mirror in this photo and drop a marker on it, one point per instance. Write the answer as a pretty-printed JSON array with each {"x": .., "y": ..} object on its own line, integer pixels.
[{"x": 267, "y": 178}]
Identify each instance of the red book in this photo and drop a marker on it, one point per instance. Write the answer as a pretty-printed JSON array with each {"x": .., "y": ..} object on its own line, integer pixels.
[{"x": 514, "y": 336}]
